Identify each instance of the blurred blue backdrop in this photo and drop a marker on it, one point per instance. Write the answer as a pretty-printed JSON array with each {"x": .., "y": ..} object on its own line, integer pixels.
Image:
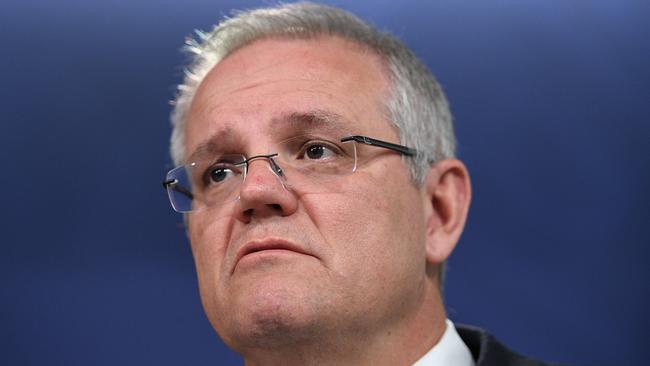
[{"x": 551, "y": 101}]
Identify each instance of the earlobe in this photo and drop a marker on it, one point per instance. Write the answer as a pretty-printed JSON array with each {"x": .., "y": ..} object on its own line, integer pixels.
[{"x": 448, "y": 191}]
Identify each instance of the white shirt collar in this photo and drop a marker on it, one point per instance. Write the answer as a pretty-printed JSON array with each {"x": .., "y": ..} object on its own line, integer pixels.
[{"x": 449, "y": 351}]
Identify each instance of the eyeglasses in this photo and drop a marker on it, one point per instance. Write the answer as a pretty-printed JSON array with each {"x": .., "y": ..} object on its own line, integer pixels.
[{"x": 307, "y": 161}]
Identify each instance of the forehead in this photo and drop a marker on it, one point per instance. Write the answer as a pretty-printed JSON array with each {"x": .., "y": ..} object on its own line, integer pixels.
[{"x": 254, "y": 92}]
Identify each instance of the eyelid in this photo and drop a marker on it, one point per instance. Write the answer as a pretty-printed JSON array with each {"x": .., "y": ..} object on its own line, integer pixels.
[
  {"x": 334, "y": 147},
  {"x": 228, "y": 159}
]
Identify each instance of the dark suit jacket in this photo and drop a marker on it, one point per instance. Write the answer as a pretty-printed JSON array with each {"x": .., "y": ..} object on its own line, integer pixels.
[{"x": 487, "y": 351}]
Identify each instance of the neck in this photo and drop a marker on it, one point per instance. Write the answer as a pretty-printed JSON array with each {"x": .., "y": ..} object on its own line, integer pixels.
[{"x": 401, "y": 341}]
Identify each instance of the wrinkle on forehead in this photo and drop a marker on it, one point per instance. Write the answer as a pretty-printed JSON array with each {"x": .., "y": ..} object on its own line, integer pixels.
[
  {"x": 281, "y": 127},
  {"x": 320, "y": 119}
]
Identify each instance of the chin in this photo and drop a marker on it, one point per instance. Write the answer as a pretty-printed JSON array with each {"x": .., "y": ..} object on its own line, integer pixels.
[{"x": 270, "y": 316}]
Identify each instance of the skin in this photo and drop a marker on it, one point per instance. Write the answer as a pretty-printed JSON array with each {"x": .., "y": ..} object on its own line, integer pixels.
[{"x": 363, "y": 287}]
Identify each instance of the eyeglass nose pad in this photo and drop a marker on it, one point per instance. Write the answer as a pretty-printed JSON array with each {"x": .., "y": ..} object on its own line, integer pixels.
[{"x": 276, "y": 168}]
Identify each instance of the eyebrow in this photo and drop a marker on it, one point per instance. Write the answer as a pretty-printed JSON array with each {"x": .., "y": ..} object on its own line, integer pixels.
[
  {"x": 315, "y": 118},
  {"x": 320, "y": 119},
  {"x": 225, "y": 136}
]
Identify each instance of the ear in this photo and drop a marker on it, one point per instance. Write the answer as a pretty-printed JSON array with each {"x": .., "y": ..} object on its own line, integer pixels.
[{"x": 448, "y": 192}]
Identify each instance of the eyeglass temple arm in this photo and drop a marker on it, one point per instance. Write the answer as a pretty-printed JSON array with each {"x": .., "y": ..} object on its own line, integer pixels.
[
  {"x": 173, "y": 184},
  {"x": 387, "y": 145}
]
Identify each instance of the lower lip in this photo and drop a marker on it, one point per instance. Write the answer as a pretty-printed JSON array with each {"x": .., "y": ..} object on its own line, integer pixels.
[{"x": 266, "y": 256}]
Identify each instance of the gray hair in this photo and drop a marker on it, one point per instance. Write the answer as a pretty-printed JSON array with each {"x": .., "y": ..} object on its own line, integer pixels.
[{"x": 416, "y": 105}]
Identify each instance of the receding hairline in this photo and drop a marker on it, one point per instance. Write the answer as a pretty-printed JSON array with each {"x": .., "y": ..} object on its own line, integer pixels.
[{"x": 348, "y": 44}]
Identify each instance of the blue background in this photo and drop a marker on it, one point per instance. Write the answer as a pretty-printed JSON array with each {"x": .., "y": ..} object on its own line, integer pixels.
[{"x": 551, "y": 102}]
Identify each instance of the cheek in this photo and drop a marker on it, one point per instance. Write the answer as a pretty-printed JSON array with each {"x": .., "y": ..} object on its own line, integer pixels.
[
  {"x": 208, "y": 240},
  {"x": 373, "y": 223}
]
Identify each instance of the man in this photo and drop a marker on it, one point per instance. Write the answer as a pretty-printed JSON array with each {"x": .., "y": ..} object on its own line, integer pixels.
[{"x": 317, "y": 176}]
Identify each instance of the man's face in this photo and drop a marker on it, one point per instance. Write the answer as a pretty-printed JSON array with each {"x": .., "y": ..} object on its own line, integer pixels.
[{"x": 348, "y": 257}]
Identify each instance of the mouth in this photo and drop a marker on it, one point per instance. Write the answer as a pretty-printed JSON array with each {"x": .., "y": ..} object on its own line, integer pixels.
[{"x": 269, "y": 245}]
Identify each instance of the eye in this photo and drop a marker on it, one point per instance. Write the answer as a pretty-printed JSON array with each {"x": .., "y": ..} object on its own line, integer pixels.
[
  {"x": 220, "y": 173},
  {"x": 318, "y": 151}
]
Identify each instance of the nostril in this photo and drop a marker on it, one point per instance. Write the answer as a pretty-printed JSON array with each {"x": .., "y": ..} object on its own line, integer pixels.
[
  {"x": 275, "y": 206},
  {"x": 248, "y": 213}
]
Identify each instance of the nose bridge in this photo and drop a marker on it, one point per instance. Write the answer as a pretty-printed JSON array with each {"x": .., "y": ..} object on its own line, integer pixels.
[
  {"x": 263, "y": 192},
  {"x": 253, "y": 175}
]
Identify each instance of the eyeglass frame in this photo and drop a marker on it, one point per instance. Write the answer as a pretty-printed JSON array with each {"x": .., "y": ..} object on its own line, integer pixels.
[{"x": 404, "y": 150}]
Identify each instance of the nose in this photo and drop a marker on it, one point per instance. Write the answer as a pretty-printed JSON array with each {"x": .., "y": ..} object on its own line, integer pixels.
[{"x": 263, "y": 192}]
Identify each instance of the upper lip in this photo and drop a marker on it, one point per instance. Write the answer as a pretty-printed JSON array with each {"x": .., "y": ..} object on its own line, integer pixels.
[{"x": 267, "y": 244}]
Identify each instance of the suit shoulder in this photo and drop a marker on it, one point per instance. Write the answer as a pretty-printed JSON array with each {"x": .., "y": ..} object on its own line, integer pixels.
[{"x": 488, "y": 351}]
